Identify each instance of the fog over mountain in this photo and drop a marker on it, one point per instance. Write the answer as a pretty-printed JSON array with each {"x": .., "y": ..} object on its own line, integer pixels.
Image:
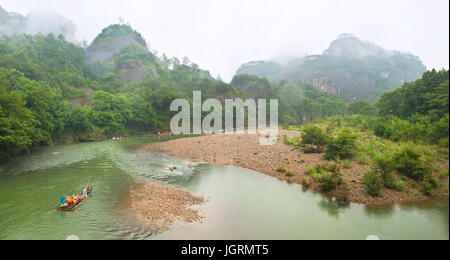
[
  {"x": 36, "y": 22},
  {"x": 222, "y": 35},
  {"x": 350, "y": 67}
]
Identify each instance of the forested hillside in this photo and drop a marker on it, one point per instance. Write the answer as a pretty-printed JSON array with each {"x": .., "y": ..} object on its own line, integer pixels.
[
  {"x": 350, "y": 68},
  {"x": 298, "y": 102},
  {"x": 42, "y": 79}
]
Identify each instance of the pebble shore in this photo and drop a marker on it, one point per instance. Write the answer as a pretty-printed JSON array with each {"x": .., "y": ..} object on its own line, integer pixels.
[
  {"x": 159, "y": 206},
  {"x": 245, "y": 151}
]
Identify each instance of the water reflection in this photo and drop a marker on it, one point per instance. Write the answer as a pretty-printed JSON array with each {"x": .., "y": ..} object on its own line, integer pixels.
[
  {"x": 384, "y": 211},
  {"x": 331, "y": 207}
]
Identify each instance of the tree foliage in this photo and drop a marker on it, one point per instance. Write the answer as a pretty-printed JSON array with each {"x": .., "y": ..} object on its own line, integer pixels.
[
  {"x": 342, "y": 147},
  {"x": 426, "y": 96},
  {"x": 314, "y": 139}
]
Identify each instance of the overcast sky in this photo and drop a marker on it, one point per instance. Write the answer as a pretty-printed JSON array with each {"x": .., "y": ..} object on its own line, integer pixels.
[{"x": 220, "y": 35}]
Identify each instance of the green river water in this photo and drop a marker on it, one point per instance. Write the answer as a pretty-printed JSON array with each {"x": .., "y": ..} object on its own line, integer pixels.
[{"x": 241, "y": 204}]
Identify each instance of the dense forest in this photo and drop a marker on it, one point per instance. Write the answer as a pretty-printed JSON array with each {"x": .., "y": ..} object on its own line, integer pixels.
[
  {"x": 54, "y": 91},
  {"x": 418, "y": 111},
  {"x": 43, "y": 79}
]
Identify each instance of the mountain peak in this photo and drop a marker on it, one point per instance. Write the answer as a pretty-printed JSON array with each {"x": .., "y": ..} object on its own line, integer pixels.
[
  {"x": 111, "y": 41},
  {"x": 3, "y": 12},
  {"x": 350, "y": 67},
  {"x": 348, "y": 45},
  {"x": 116, "y": 31}
]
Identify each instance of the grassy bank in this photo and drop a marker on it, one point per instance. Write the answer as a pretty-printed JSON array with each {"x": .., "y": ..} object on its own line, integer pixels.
[{"x": 404, "y": 166}]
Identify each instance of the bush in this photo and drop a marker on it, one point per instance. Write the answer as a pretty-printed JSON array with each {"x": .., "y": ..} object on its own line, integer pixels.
[
  {"x": 281, "y": 169},
  {"x": 444, "y": 142},
  {"x": 427, "y": 188},
  {"x": 347, "y": 164},
  {"x": 331, "y": 167},
  {"x": 311, "y": 170},
  {"x": 409, "y": 163},
  {"x": 342, "y": 197},
  {"x": 313, "y": 139},
  {"x": 373, "y": 183},
  {"x": 362, "y": 159},
  {"x": 291, "y": 141},
  {"x": 330, "y": 181},
  {"x": 434, "y": 183},
  {"x": 400, "y": 185},
  {"x": 317, "y": 177},
  {"x": 290, "y": 173},
  {"x": 327, "y": 174},
  {"x": 342, "y": 147},
  {"x": 383, "y": 166},
  {"x": 306, "y": 181}
]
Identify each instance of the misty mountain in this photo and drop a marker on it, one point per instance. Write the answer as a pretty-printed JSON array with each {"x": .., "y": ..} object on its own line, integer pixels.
[
  {"x": 36, "y": 22},
  {"x": 263, "y": 69},
  {"x": 111, "y": 41},
  {"x": 252, "y": 86},
  {"x": 121, "y": 51},
  {"x": 350, "y": 67}
]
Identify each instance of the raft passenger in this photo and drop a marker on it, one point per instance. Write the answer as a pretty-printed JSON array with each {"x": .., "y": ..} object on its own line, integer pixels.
[{"x": 63, "y": 201}]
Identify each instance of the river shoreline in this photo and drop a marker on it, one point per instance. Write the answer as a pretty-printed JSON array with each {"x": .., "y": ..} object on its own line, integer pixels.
[
  {"x": 240, "y": 204},
  {"x": 244, "y": 151},
  {"x": 159, "y": 206}
]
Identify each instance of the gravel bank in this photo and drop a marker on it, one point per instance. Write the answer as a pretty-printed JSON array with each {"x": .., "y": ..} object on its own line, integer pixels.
[
  {"x": 245, "y": 151},
  {"x": 159, "y": 206}
]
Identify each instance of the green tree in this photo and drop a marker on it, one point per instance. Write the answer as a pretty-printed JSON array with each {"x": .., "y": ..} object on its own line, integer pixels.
[
  {"x": 374, "y": 184},
  {"x": 81, "y": 119},
  {"x": 426, "y": 95},
  {"x": 363, "y": 108},
  {"x": 342, "y": 147},
  {"x": 16, "y": 123},
  {"x": 314, "y": 139},
  {"x": 111, "y": 112}
]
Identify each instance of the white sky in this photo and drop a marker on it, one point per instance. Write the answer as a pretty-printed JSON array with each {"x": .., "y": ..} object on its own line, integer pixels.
[{"x": 220, "y": 35}]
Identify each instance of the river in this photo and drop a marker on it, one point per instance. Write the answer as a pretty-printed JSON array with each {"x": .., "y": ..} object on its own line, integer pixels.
[{"x": 241, "y": 204}]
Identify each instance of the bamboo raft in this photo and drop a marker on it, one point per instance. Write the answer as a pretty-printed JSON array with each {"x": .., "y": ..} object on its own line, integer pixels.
[{"x": 67, "y": 208}]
